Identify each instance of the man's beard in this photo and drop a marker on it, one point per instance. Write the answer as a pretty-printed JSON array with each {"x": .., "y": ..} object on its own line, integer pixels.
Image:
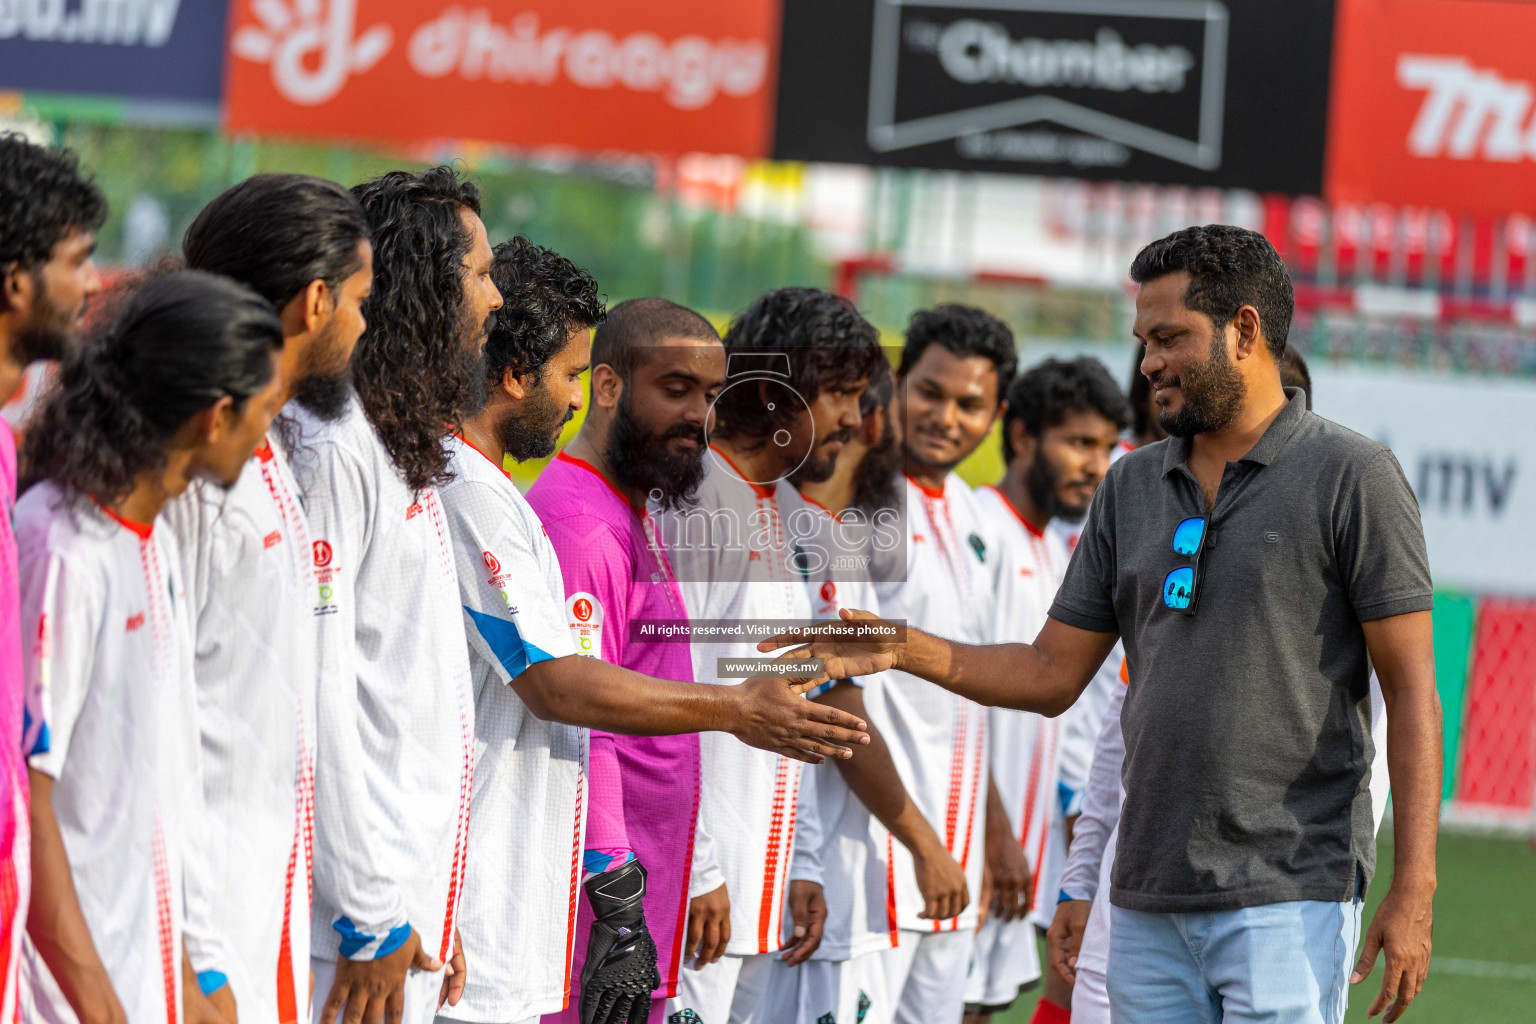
[
  {"x": 818, "y": 469},
  {"x": 49, "y": 332},
  {"x": 1043, "y": 482},
  {"x": 534, "y": 430},
  {"x": 323, "y": 387},
  {"x": 875, "y": 480},
  {"x": 640, "y": 459},
  {"x": 1213, "y": 393},
  {"x": 464, "y": 378}
]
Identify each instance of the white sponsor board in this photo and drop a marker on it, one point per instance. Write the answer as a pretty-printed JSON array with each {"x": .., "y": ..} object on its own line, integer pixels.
[{"x": 1468, "y": 447}]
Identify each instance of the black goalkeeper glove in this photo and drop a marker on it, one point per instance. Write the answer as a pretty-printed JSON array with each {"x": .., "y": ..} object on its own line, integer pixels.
[{"x": 620, "y": 973}]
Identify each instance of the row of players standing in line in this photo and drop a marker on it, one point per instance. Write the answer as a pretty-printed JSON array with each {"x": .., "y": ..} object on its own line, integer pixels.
[{"x": 852, "y": 894}]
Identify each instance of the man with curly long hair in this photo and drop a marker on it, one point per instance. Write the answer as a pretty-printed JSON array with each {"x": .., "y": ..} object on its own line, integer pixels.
[
  {"x": 395, "y": 710},
  {"x": 49, "y": 214},
  {"x": 798, "y": 360}
]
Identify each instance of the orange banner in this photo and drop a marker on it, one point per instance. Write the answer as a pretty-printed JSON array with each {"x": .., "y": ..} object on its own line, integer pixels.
[
  {"x": 662, "y": 76},
  {"x": 1433, "y": 105}
]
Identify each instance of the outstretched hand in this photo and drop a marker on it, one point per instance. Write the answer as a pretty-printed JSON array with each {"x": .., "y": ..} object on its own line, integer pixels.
[
  {"x": 874, "y": 648},
  {"x": 773, "y": 714}
]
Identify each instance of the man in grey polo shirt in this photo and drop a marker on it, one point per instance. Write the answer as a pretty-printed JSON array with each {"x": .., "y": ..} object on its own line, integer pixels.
[{"x": 1257, "y": 564}]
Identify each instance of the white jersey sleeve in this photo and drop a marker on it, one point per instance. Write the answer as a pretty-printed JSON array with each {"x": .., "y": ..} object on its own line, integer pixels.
[
  {"x": 514, "y": 611},
  {"x": 1101, "y": 808},
  {"x": 705, "y": 876},
  {"x": 349, "y": 875},
  {"x": 67, "y": 601}
]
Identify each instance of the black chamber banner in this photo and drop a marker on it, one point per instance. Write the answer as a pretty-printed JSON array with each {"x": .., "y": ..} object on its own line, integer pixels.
[{"x": 1197, "y": 92}]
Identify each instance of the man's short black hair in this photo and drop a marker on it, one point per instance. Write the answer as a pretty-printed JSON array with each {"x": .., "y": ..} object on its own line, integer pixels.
[
  {"x": 636, "y": 324},
  {"x": 964, "y": 331},
  {"x": 43, "y": 199},
  {"x": 1229, "y": 268},
  {"x": 544, "y": 296},
  {"x": 828, "y": 343},
  {"x": 1045, "y": 395}
]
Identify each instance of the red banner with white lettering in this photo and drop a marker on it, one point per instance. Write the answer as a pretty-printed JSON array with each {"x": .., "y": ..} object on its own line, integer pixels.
[
  {"x": 664, "y": 76},
  {"x": 1432, "y": 105}
]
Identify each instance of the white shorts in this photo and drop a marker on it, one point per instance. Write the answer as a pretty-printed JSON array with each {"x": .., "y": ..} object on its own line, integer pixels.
[
  {"x": 1090, "y": 997},
  {"x": 929, "y": 975},
  {"x": 422, "y": 991},
  {"x": 853, "y": 991},
  {"x": 728, "y": 991},
  {"x": 1006, "y": 959}
]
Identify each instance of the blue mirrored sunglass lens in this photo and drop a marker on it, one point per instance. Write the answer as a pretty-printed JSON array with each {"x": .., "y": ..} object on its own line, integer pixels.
[
  {"x": 1187, "y": 535},
  {"x": 1179, "y": 588}
]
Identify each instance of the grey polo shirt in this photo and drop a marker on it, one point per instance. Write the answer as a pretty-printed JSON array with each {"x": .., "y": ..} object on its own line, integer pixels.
[{"x": 1247, "y": 725}]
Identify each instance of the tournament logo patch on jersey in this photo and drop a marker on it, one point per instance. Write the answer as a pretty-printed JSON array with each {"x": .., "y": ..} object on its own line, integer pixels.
[
  {"x": 979, "y": 546},
  {"x": 584, "y": 615},
  {"x": 322, "y": 554},
  {"x": 491, "y": 562}
]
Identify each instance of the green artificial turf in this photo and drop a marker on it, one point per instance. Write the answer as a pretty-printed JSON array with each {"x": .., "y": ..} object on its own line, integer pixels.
[{"x": 1485, "y": 924}]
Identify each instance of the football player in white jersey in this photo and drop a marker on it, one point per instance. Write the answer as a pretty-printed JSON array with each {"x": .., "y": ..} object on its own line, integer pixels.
[
  {"x": 798, "y": 360},
  {"x": 546, "y": 817},
  {"x": 1063, "y": 421},
  {"x": 395, "y": 710},
  {"x": 181, "y": 387},
  {"x": 248, "y": 565},
  {"x": 51, "y": 213}
]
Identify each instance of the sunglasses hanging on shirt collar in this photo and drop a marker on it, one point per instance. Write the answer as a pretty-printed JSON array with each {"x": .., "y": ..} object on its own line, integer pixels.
[{"x": 1181, "y": 587}]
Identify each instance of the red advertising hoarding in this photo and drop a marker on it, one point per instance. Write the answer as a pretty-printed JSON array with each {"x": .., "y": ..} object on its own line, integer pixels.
[
  {"x": 666, "y": 76},
  {"x": 1432, "y": 105}
]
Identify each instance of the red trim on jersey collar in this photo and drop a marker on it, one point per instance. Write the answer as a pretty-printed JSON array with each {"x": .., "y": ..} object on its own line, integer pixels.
[
  {"x": 499, "y": 465},
  {"x": 932, "y": 492},
  {"x": 584, "y": 464},
  {"x": 757, "y": 488},
  {"x": 1031, "y": 527},
  {"x": 264, "y": 450},
  {"x": 142, "y": 529},
  {"x": 812, "y": 501}
]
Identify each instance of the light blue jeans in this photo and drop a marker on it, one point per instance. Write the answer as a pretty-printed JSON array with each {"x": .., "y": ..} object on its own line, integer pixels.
[{"x": 1283, "y": 963}]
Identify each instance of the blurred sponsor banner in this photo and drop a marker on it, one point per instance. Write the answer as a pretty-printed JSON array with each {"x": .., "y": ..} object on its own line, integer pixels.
[
  {"x": 1196, "y": 92},
  {"x": 1464, "y": 444},
  {"x": 139, "y": 49},
  {"x": 666, "y": 76},
  {"x": 1432, "y": 105}
]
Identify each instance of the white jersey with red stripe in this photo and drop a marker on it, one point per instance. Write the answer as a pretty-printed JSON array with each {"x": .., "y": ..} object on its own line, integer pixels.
[
  {"x": 111, "y": 702},
  {"x": 248, "y": 565},
  {"x": 1024, "y": 745},
  {"x": 529, "y": 807},
  {"x": 847, "y": 850},
  {"x": 732, "y": 554},
  {"x": 939, "y": 741},
  {"x": 395, "y": 711}
]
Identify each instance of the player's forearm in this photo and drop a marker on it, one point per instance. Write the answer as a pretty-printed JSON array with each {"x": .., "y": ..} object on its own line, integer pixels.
[
  {"x": 872, "y": 775},
  {"x": 592, "y": 693},
  {"x": 55, "y": 922},
  {"x": 1414, "y": 761}
]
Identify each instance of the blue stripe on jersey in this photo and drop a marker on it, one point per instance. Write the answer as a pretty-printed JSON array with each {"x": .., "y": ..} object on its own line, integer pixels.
[
  {"x": 41, "y": 743},
  {"x": 354, "y": 941},
  {"x": 514, "y": 653},
  {"x": 211, "y": 981},
  {"x": 1068, "y": 798}
]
